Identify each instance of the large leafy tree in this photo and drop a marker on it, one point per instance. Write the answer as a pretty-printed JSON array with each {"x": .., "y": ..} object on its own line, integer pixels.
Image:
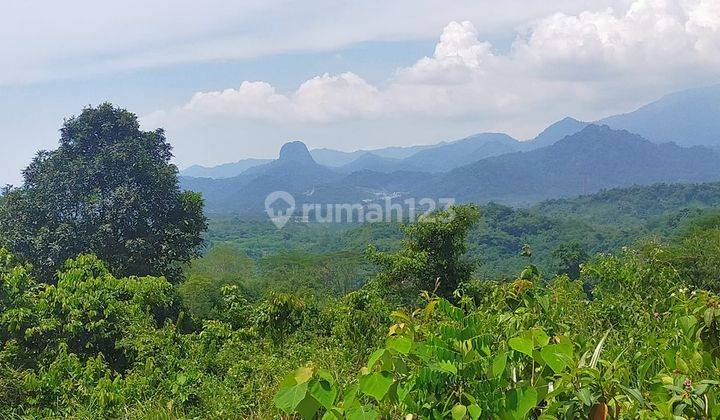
[
  {"x": 109, "y": 190},
  {"x": 568, "y": 259},
  {"x": 433, "y": 254}
]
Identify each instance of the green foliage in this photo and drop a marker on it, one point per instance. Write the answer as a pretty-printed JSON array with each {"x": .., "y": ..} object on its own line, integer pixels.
[
  {"x": 110, "y": 190},
  {"x": 79, "y": 335},
  {"x": 635, "y": 336},
  {"x": 569, "y": 258},
  {"x": 331, "y": 274},
  {"x": 258, "y": 237},
  {"x": 223, "y": 265},
  {"x": 602, "y": 222},
  {"x": 696, "y": 254},
  {"x": 526, "y": 351},
  {"x": 433, "y": 253},
  {"x": 628, "y": 207},
  {"x": 94, "y": 346}
]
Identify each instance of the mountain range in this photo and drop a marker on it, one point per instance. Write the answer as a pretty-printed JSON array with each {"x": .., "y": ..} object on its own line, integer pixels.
[
  {"x": 586, "y": 162},
  {"x": 688, "y": 118},
  {"x": 226, "y": 170},
  {"x": 570, "y": 157},
  {"x": 593, "y": 159}
]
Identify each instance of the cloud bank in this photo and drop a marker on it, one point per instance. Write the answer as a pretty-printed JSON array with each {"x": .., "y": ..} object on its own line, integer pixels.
[{"x": 592, "y": 61}]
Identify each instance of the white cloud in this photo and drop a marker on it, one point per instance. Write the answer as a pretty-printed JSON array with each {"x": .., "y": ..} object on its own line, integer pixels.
[
  {"x": 45, "y": 39},
  {"x": 650, "y": 36},
  {"x": 704, "y": 23},
  {"x": 588, "y": 61},
  {"x": 326, "y": 97},
  {"x": 458, "y": 57},
  {"x": 320, "y": 99},
  {"x": 252, "y": 100}
]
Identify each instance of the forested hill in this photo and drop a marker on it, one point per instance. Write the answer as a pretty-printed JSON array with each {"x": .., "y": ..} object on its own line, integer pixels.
[
  {"x": 110, "y": 307},
  {"x": 601, "y": 222},
  {"x": 629, "y": 206}
]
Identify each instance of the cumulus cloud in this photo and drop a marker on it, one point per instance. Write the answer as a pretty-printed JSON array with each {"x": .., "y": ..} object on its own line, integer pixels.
[
  {"x": 459, "y": 56},
  {"x": 252, "y": 100},
  {"x": 653, "y": 35},
  {"x": 320, "y": 99},
  {"x": 562, "y": 62}
]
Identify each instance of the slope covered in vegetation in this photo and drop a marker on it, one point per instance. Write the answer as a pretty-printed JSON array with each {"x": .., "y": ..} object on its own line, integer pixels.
[
  {"x": 94, "y": 345},
  {"x": 458, "y": 315}
]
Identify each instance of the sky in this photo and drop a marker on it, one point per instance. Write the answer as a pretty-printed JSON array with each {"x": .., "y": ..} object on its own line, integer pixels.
[{"x": 230, "y": 80}]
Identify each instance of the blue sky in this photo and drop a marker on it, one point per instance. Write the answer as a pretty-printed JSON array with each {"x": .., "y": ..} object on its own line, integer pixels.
[
  {"x": 230, "y": 81},
  {"x": 32, "y": 113}
]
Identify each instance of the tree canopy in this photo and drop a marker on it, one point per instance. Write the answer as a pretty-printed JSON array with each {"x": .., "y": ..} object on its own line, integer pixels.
[{"x": 110, "y": 190}]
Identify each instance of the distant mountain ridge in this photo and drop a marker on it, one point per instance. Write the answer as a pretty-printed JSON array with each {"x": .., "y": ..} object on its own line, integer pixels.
[
  {"x": 294, "y": 171},
  {"x": 373, "y": 162},
  {"x": 461, "y": 152},
  {"x": 439, "y": 157},
  {"x": 568, "y": 158},
  {"x": 688, "y": 118},
  {"x": 593, "y": 159},
  {"x": 555, "y": 132},
  {"x": 336, "y": 158},
  {"x": 586, "y": 162},
  {"x": 226, "y": 170}
]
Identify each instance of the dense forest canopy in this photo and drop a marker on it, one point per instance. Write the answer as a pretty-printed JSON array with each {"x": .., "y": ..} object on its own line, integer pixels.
[
  {"x": 603, "y": 306},
  {"x": 108, "y": 189}
]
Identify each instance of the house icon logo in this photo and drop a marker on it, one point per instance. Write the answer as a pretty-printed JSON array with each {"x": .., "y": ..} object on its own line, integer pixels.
[{"x": 280, "y": 206}]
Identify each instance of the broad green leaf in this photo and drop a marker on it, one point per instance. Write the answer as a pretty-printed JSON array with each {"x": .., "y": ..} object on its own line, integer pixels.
[
  {"x": 365, "y": 412},
  {"x": 687, "y": 323},
  {"x": 400, "y": 344},
  {"x": 323, "y": 392},
  {"x": 325, "y": 374},
  {"x": 521, "y": 344},
  {"x": 470, "y": 398},
  {"x": 377, "y": 354},
  {"x": 308, "y": 408},
  {"x": 521, "y": 401},
  {"x": 540, "y": 337},
  {"x": 634, "y": 393},
  {"x": 585, "y": 395},
  {"x": 709, "y": 316},
  {"x": 474, "y": 411},
  {"x": 557, "y": 356},
  {"x": 680, "y": 364},
  {"x": 376, "y": 384},
  {"x": 288, "y": 399},
  {"x": 333, "y": 414},
  {"x": 498, "y": 364},
  {"x": 303, "y": 374},
  {"x": 458, "y": 412},
  {"x": 350, "y": 396}
]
